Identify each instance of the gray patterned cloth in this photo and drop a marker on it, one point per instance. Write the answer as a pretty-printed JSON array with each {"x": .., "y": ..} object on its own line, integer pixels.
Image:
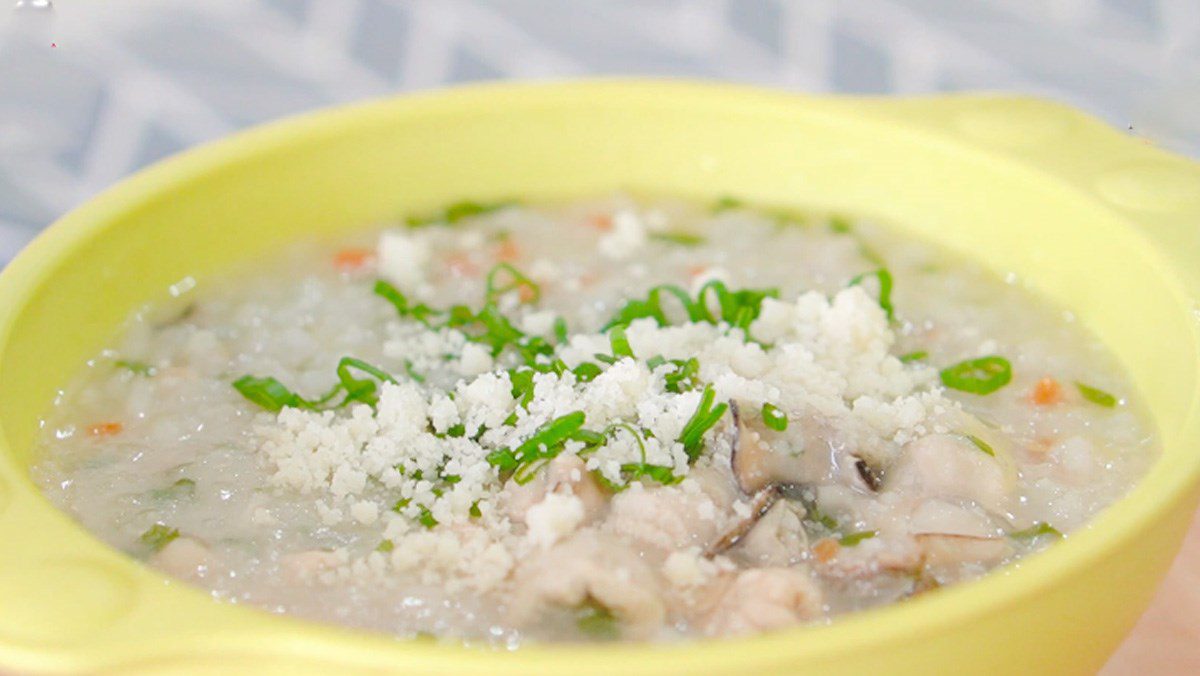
[{"x": 92, "y": 90}]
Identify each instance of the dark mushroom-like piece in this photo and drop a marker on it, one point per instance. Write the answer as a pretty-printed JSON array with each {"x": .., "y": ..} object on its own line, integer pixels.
[
  {"x": 871, "y": 476},
  {"x": 763, "y": 501},
  {"x": 755, "y": 464}
]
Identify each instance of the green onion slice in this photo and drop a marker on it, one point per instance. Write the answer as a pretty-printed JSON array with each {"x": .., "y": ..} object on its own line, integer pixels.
[
  {"x": 1096, "y": 396},
  {"x": 774, "y": 418},
  {"x": 978, "y": 376}
]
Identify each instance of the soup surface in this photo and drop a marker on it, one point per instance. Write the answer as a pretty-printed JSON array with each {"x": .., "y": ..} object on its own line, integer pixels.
[{"x": 612, "y": 419}]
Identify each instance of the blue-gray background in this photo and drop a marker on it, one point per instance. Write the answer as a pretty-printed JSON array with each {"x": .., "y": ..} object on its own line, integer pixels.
[{"x": 92, "y": 90}]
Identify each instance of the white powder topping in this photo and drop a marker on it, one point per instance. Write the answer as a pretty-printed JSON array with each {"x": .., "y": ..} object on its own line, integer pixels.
[
  {"x": 555, "y": 517},
  {"x": 403, "y": 259},
  {"x": 628, "y": 234},
  {"x": 416, "y": 465}
]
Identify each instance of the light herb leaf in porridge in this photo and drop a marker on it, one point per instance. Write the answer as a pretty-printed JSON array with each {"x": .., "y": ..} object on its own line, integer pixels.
[
  {"x": 885, "y": 289},
  {"x": 681, "y": 238},
  {"x": 774, "y": 418},
  {"x": 181, "y": 488},
  {"x": 1036, "y": 530},
  {"x": 726, "y": 203},
  {"x": 385, "y": 546},
  {"x": 457, "y": 211},
  {"x": 983, "y": 375},
  {"x": 158, "y": 536},
  {"x": 140, "y": 368},
  {"x": 981, "y": 445},
  {"x": 1096, "y": 395},
  {"x": 706, "y": 415},
  {"x": 852, "y": 539},
  {"x": 597, "y": 623},
  {"x": 913, "y": 356},
  {"x": 840, "y": 225}
]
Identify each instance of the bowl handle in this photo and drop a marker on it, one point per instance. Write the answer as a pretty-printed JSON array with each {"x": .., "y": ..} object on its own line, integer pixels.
[{"x": 1155, "y": 190}]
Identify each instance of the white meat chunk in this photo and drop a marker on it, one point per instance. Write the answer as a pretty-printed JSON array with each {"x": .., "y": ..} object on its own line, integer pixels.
[
  {"x": 185, "y": 558},
  {"x": 665, "y": 518},
  {"x": 951, "y": 466},
  {"x": 565, "y": 474},
  {"x": 762, "y": 599},
  {"x": 778, "y": 539},
  {"x": 590, "y": 566},
  {"x": 306, "y": 566}
]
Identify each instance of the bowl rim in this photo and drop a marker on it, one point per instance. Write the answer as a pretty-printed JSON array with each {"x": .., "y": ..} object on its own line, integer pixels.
[{"x": 1142, "y": 506}]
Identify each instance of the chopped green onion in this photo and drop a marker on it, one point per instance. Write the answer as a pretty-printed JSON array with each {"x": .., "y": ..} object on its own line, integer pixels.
[
  {"x": 457, "y": 211},
  {"x": 660, "y": 473},
  {"x": 685, "y": 375},
  {"x": 619, "y": 343},
  {"x": 1096, "y": 395},
  {"x": 1038, "y": 529},
  {"x": 851, "y": 539},
  {"x": 364, "y": 390},
  {"x": 158, "y": 536},
  {"x": 814, "y": 514},
  {"x": 885, "y": 289},
  {"x": 913, "y": 356},
  {"x": 560, "y": 329},
  {"x": 475, "y": 512},
  {"x": 586, "y": 372},
  {"x": 840, "y": 225},
  {"x": 706, "y": 415},
  {"x": 981, "y": 444},
  {"x": 518, "y": 280},
  {"x": 385, "y": 546},
  {"x": 181, "y": 488},
  {"x": 425, "y": 518},
  {"x": 978, "y": 376},
  {"x": 774, "y": 418},
  {"x": 597, "y": 623},
  {"x": 726, "y": 203},
  {"x": 412, "y": 373},
  {"x": 651, "y": 307},
  {"x": 401, "y": 504},
  {"x": 738, "y": 308},
  {"x": 267, "y": 393},
  {"x": 544, "y": 444},
  {"x": 681, "y": 238},
  {"x": 136, "y": 367}
]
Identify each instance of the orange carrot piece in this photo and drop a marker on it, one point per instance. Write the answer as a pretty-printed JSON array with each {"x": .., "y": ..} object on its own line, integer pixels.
[
  {"x": 601, "y": 221},
  {"x": 105, "y": 429},
  {"x": 508, "y": 251},
  {"x": 1046, "y": 392},
  {"x": 826, "y": 549},
  {"x": 526, "y": 293},
  {"x": 349, "y": 260}
]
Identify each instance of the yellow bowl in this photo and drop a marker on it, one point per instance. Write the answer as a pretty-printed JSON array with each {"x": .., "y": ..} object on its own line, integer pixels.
[{"x": 1095, "y": 220}]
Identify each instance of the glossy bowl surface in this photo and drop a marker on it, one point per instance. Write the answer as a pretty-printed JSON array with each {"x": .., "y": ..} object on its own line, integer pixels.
[{"x": 1095, "y": 220}]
